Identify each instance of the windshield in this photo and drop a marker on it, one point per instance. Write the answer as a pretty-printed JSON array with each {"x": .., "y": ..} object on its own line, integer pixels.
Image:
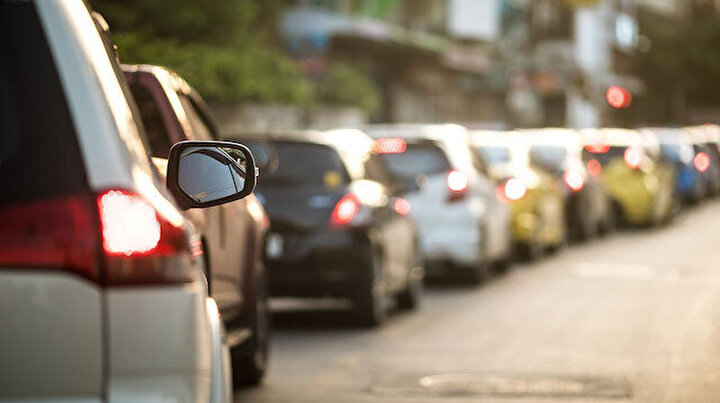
[
  {"x": 300, "y": 164},
  {"x": 549, "y": 156},
  {"x": 494, "y": 154},
  {"x": 417, "y": 159}
]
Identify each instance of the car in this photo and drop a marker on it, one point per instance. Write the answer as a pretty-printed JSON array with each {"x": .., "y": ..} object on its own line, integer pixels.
[
  {"x": 639, "y": 183},
  {"x": 337, "y": 228},
  {"x": 705, "y": 140},
  {"x": 102, "y": 280},
  {"x": 233, "y": 235},
  {"x": 535, "y": 197},
  {"x": 464, "y": 229},
  {"x": 677, "y": 148},
  {"x": 588, "y": 209}
]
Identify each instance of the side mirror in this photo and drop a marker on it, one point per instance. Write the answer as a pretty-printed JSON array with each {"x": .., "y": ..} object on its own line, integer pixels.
[{"x": 208, "y": 173}]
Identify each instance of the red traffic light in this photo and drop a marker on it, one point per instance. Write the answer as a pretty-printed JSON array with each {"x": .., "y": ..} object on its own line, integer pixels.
[{"x": 618, "y": 97}]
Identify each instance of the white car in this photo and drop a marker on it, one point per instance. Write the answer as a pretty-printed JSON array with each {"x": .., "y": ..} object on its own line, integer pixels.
[
  {"x": 103, "y": 294},
  {"x": 464, "y": 227}
]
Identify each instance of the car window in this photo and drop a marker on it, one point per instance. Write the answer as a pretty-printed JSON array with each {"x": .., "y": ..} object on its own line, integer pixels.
[
  {"x": 305, "y": 164},
  {"x": 553, "y": 156},
  {"x": 156, "y": 132},
  {"x": 39, "y": 154},
  {"x": 495, "y": 154},
  {"x": 201, "y": 130},
  {"x": 417, "y": 159}
]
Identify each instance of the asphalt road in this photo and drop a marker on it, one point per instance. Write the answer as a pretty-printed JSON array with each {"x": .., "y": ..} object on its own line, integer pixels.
[{"x": 631, "y": 318}]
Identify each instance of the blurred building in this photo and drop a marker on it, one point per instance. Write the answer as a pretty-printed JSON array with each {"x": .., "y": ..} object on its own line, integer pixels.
[{"x": 515, "y": 62}]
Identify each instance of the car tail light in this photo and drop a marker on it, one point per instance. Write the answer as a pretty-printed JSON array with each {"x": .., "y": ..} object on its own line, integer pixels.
[
  {"x": 633, "y": 157},
  {"x": 574, "y": 180},
  {"x": 402, "y": 206},
  {"x": 701, "y": 161},
  {"x": 140, "y": 245},
  {"x": 513, "y": 189},
  {"x": 598, "y": 148},
  {"x": 390, "y": 146},
  {"x": 120, "y": 239},
  {"x": 59, "y": 233},
  {"x": 457, "y": 184},
  {"x": 594, "y": 168},
  {"x": 345, "y": 211}
]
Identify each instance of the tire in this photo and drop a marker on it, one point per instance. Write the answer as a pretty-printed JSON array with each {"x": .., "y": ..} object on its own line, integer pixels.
[
  {"x": 249, "y": 360},
  {"x": 530, "y": 251},
  {"x": 475, "y": 274},
  {"x": 369, "y": 303}
]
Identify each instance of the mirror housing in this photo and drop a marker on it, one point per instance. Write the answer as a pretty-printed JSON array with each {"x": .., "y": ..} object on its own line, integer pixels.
[{"x": 209, "y": 173}]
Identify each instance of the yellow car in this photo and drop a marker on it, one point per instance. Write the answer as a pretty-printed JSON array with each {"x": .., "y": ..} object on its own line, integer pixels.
[
  {"x": 535, "y": 197},
  {"x": 639, "y": 182}
]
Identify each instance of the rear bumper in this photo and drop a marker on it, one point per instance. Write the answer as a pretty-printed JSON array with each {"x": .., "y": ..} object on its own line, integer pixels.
[
  {"x": 160, "y": 344},
  {"x": 320, "y": 264}
]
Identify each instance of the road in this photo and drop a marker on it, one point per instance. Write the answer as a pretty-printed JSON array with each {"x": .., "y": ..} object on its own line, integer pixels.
[{"x": 630, "y": 318}]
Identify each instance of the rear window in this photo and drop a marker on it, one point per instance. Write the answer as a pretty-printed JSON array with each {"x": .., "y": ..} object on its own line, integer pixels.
[
  {"x": 549, "y": 156},
  {"x": 494, "y": 154},
  {"x": 418, "y": 159},
  {"x": 607, "y": 157},
  {"x": 39, "y": 154},
  {"x": 300, "y": 164}
]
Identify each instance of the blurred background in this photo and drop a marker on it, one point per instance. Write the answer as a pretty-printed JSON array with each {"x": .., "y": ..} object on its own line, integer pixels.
[{"x": 498, "y": 63}]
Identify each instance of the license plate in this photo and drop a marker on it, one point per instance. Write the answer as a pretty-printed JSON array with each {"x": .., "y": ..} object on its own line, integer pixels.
[{"x": 274, "y": 246}]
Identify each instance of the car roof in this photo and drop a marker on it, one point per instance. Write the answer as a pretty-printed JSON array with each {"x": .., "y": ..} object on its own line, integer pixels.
[
  {"x": 569, "y": 138},
  {"x": 418, "y": 131},
  {"x": 341, "y": 139},
  {"x": 509, "y": 138},
  {"x": 611, "y": 136}
]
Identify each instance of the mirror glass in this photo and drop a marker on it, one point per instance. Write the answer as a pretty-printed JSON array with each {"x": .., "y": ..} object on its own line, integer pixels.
[{"x": 207, "y": 174}]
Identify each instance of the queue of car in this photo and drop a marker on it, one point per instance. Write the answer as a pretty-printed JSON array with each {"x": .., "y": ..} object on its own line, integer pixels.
[{"x": 134, "y": 252}]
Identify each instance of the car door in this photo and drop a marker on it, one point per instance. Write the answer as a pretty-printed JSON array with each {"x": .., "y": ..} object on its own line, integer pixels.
[{"x": 231, "y": 233}]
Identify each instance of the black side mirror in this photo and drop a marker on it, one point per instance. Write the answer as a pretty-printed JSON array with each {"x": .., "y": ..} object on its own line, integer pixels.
[{"x": 208, "y": 173}]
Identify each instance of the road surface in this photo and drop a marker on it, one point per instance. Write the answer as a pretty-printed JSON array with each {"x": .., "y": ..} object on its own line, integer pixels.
[{"x": 631, "y": 318}]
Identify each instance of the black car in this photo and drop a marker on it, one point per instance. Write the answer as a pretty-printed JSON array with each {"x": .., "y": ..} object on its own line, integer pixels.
[{"x": 338, "y": 228}]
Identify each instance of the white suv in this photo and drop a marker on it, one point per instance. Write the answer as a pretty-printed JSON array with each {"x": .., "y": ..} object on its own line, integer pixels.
[
  {"x": 103, "y": 295},
  {"x": 463, "y": 226}
]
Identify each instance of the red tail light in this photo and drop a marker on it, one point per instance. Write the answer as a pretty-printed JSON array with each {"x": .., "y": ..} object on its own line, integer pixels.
[
  {"x": 345, "y": 211},
  {"x": 701, "y": 161},
  {"x": 119, "y": 240},
  {"x": 402, "y": 206},
  {"x": 457, "y": 184},
  {"x": 59, "y": 233},
  {"x": 633, "y": 157},
  {"x": 390, "y": 146},
  {"x": 598, "y": 148},
  {"x": 574, "y": 180},
  {"x": 512, "y": 190},
  {"x": 594, "y": 168}
]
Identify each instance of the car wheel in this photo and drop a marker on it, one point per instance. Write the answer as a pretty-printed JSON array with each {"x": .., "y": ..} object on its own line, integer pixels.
[
  {"x": 249, "y": 360},
  {"x": 369, "y": 304}
]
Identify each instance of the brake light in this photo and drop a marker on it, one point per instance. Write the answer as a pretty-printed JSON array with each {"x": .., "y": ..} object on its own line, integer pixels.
[
  {"x": 701, "y": 161},
  {"x": 58, "y": 233},
  {"x": 594, "y": 168},
  {"x": 390, "y": 146},
  {"x": 129, "y": 224},
  {"x": 598, "y": 148},
  {"x": 457, "y": 184},
  {"x": 633, "y": 157},
  {"x": 345, "y": 210},
  {"x": 513, "y": 190},
  {"x": 574, "y": 180},
  {"x": 402, "y": 206}
]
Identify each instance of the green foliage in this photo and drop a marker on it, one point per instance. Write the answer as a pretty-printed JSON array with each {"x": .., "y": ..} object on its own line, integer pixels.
[
  {"x": 213, "y": 44},
  {"x": 224, "y": 49},
  {"x": 345, "y": 85}
]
